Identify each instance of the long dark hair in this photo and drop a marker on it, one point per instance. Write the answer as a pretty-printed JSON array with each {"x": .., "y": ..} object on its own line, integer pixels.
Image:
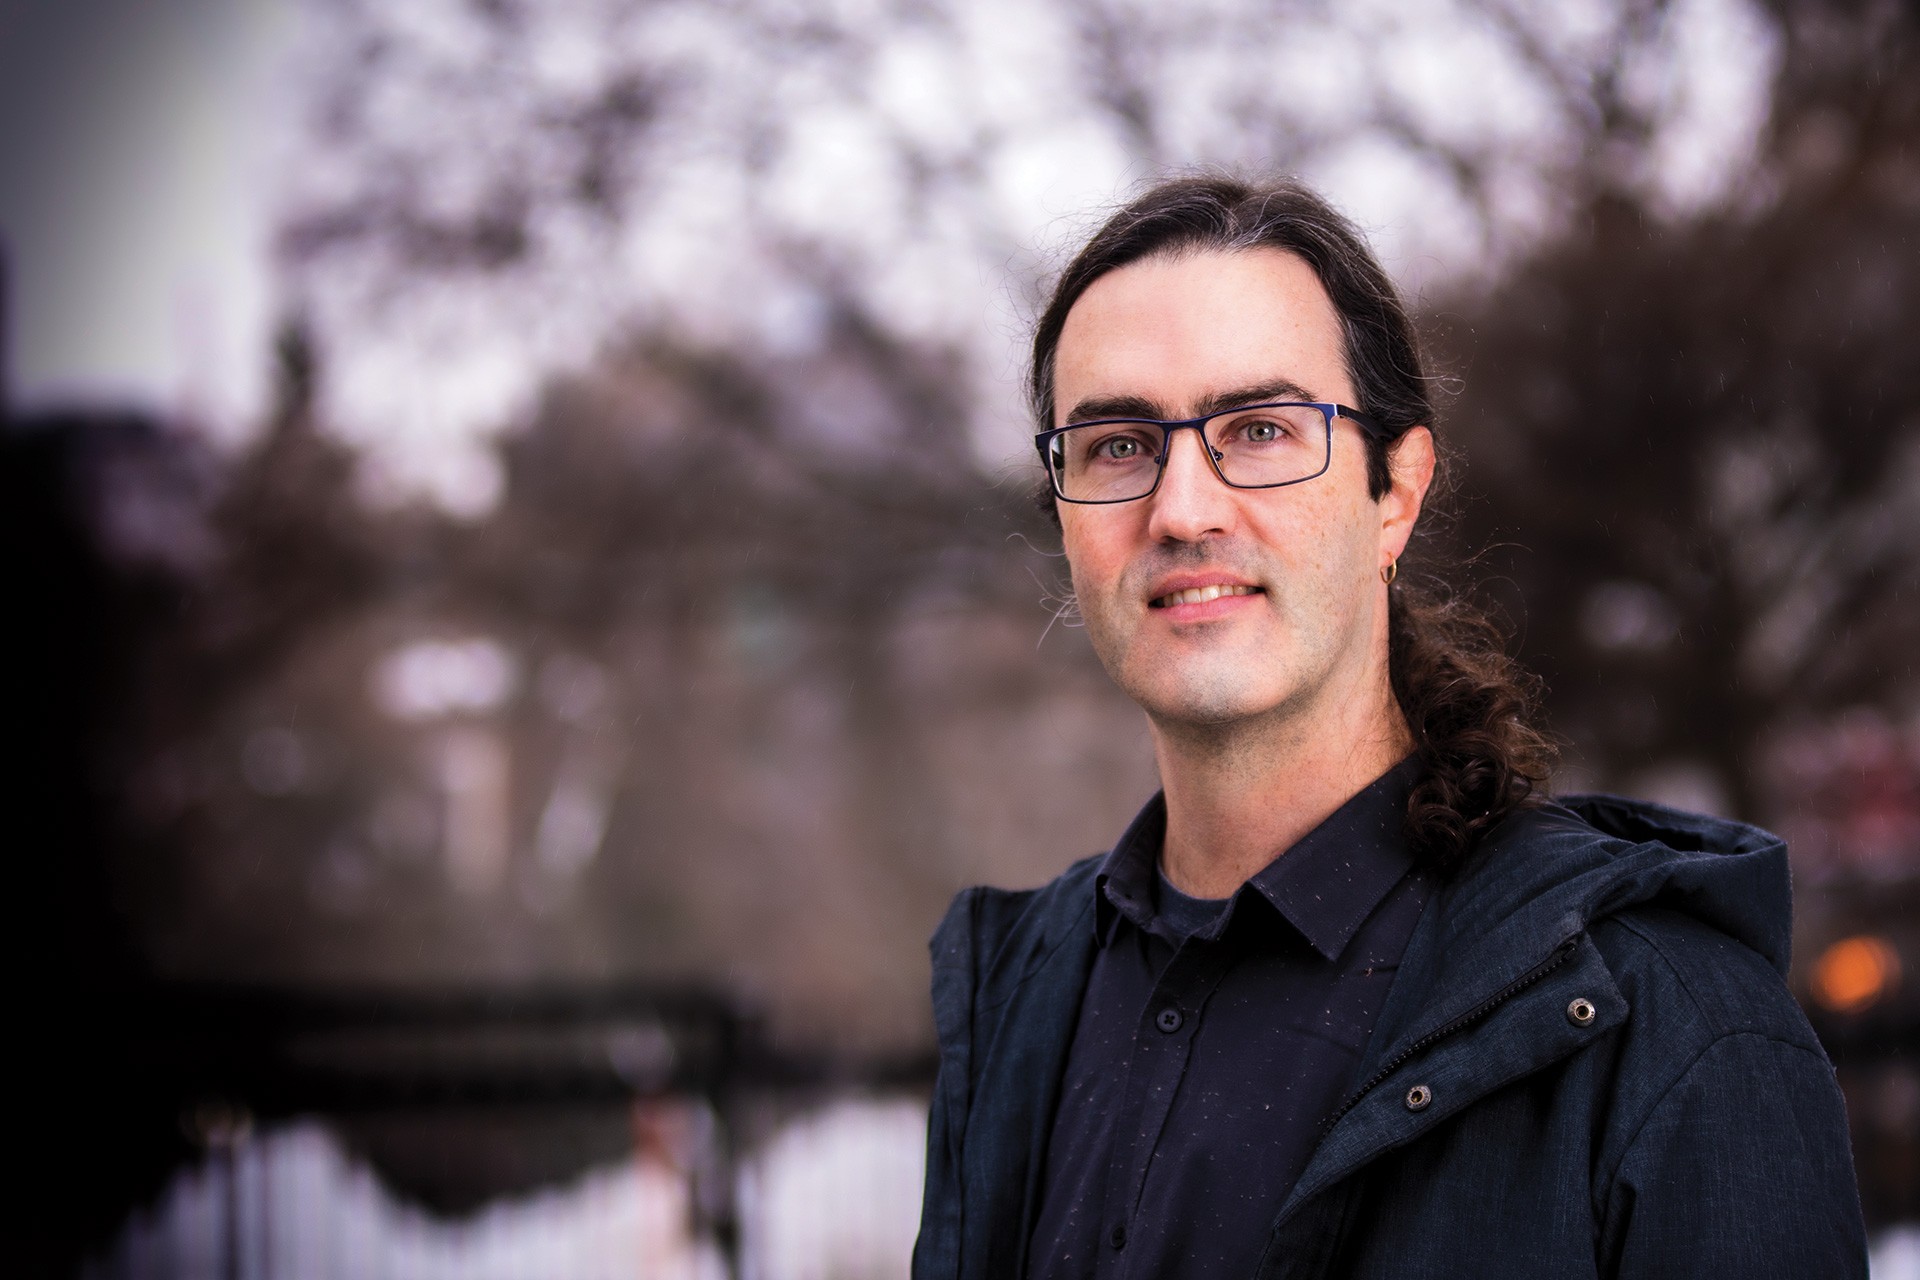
[{"x": 1473, "y": 711}]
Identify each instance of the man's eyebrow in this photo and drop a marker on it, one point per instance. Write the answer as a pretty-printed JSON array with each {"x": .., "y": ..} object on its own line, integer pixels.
[
  {"x": 1259, "y": 393},
  {"x": 1097, "y": 407}
]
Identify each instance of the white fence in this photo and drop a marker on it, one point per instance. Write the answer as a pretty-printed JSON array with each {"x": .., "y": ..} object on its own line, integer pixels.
[{"x": 835, "y": 1195}]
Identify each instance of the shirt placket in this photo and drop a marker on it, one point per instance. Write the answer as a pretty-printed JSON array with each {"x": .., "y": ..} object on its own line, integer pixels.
[{"x": 1162, "y": 1046}]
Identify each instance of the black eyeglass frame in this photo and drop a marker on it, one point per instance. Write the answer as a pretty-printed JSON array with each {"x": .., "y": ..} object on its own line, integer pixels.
[{"x": 1328, "y": 412}]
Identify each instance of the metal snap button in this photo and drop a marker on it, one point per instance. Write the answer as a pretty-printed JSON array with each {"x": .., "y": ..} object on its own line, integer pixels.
[
  {"x": 1169, "y": 1020},
  {"x": 1581, "y": 1012},
  {"x": 1419, "y": 1097}
]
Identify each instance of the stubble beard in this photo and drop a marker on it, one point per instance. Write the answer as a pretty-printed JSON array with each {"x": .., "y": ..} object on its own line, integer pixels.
[
  {"x": 1228, "y": 695},
  {"x": 1207, "y": 691}
]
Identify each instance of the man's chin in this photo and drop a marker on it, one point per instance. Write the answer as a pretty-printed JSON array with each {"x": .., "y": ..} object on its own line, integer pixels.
[
  {"x": 1209, "y": 706},
  {"x": 1200, "y": 680}
]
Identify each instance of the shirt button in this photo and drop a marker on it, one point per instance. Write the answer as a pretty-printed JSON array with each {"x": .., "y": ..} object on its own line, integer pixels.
[
  {"x": 1419, "y": 1098},
  {"x": 1581, "y": 1012},
  {"x": 1118, "y": 1236},
  {"x": 1169, "y": 1020}
]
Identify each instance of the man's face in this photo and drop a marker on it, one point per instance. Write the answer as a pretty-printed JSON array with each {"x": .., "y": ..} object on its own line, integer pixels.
[{"x": 1303, "y": 622}]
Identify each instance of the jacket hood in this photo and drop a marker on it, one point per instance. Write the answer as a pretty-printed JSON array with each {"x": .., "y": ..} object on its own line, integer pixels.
[
  {"x": 1732, "y": 876},
  {"x": 1550, "y": 871}
]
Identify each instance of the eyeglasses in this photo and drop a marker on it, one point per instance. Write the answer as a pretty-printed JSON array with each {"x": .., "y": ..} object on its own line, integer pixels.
[{"x": 1255, "y": 446}]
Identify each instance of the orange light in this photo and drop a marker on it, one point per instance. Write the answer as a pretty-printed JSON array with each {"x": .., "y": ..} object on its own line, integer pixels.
[{"x": 1854, "y": 973}]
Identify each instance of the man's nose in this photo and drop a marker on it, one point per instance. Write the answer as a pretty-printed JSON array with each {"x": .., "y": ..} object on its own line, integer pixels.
[{"x": 1192, "y": 501}]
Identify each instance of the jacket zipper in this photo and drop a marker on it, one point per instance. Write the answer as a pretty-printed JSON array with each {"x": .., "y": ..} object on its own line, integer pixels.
[{"x": 1560, "y": 956}]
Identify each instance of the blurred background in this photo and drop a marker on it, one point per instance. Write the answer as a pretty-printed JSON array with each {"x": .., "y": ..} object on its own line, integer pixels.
[{"x": 525, "y": 598}]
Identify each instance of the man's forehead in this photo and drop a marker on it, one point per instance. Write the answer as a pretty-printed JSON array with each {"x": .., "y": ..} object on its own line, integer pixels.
[{"x": 1185, "y": 334}]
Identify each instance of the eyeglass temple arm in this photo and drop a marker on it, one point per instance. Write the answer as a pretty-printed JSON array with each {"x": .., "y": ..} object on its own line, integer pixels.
[{"x": 1365, "y": 421}]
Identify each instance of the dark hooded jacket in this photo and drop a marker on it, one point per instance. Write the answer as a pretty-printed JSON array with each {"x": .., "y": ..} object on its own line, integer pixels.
[{"x": 1588, "y": 1065}]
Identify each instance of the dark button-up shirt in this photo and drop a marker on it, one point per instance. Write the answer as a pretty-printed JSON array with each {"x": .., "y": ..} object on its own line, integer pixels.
[{"x": 1203, "y": 1063}]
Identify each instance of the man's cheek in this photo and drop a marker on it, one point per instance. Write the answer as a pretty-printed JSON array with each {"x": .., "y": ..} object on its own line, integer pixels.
[{"x": 1098, "y": 594}]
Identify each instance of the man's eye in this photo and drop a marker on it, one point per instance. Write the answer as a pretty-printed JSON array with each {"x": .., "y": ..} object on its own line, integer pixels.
[
  {"x": 1262, "y": 431},
  {"x": 1118, "y": 449}
]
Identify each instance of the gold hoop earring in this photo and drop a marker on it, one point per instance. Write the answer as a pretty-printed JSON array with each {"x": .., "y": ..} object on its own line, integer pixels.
[{"x": 1390, "y": 571}]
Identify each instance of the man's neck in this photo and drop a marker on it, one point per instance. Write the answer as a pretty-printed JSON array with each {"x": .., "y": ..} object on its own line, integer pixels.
[{"x": 1239, "y": 796}]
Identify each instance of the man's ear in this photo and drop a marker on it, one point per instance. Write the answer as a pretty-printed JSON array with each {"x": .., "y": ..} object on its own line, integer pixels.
[{"x": 1410, "y": 464}]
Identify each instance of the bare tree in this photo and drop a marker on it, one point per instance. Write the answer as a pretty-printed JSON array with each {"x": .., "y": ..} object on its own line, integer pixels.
[
  {"x": 484, "y": 195},
  {"x": 1701, "y": 441}
]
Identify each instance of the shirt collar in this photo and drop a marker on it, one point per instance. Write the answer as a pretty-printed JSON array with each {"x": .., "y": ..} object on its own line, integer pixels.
[
  {"x": 1123, "y": 887},
  {"x": 1325, "y": 885}
]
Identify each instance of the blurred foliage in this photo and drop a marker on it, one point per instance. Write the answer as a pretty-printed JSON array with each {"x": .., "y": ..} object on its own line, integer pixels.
[
  {"x": 482, "y": 195},
  {"x": 1699, "y": 442}
]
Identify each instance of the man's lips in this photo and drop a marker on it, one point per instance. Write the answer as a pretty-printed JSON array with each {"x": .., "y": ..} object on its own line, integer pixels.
[{"x": 1201, "y": 593}]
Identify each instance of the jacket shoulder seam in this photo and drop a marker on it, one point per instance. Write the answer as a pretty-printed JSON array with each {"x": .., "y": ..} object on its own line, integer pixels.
[
  {"x": 1639, "y": 930},
  {"x": 975, "y": 895},
  {"x": 1036, "y": 897},
  {"x": 1680, "y": 1077},
  {"x": 1635, "y": 923},
  {"x": 1045, "y": 955}
]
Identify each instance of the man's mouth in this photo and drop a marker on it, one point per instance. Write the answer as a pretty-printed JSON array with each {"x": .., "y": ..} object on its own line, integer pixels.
[{"x": 1200, "y": 595}]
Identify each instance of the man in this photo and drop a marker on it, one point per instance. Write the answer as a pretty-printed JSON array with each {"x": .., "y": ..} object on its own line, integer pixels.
[{"x": 1346, "y": 999}]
